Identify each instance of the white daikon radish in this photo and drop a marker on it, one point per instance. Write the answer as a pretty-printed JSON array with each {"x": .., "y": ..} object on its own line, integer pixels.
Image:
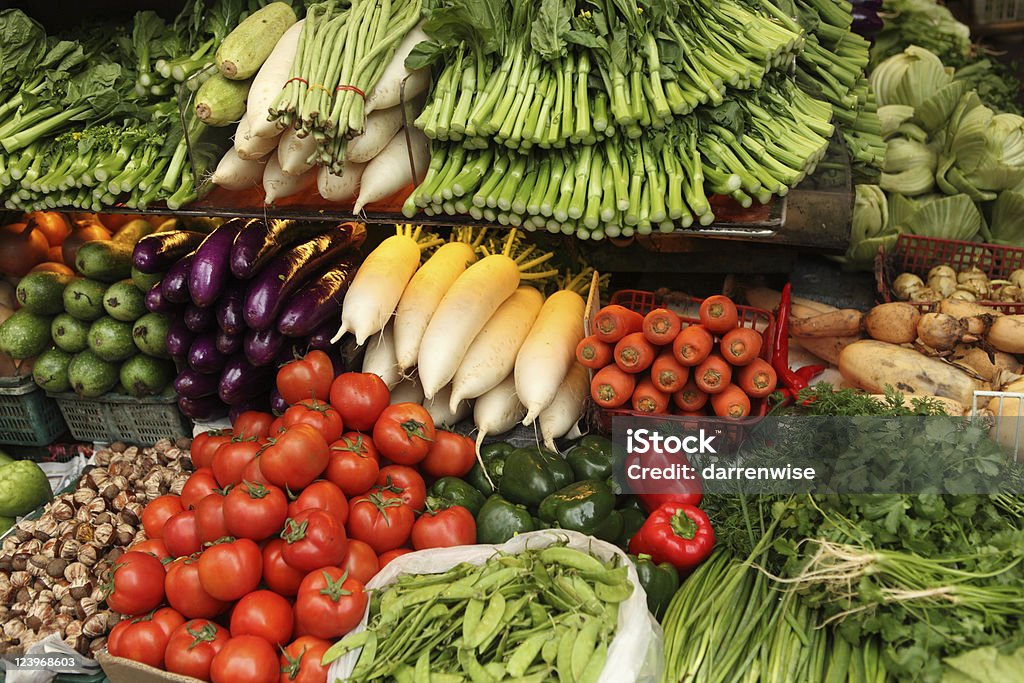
[
  {"x": 339, "y": 188},
  {"x": 380, "y": 357},
  {"x": 250, "y": 147},
  {"x": 441, "y": 413},
  {"x": 389, "y": 91},
  {"x": 424, "y": 293},
  {"x": 390, "y": 171},
  {"x": 492, "y": 354},
  {"x": 235, "y": 173},
  {"x": 293, "y": 152},
  {"x": 497, "y": 411},
  {"x": 381, "y": 127},
  {"x": 407, "y": 391},
  {"x": 378, "y": 284},
  {"x": 566, "y": 409},
  {"x": 277, "y": 185},
  {"x": 269, "y": 82}
]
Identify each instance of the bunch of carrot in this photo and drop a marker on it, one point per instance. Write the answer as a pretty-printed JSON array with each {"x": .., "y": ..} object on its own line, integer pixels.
[{"x": 657, "y": 363}]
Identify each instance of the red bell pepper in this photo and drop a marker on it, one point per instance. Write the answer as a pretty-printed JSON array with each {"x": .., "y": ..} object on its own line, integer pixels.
[{"x": 675, "y": 533}]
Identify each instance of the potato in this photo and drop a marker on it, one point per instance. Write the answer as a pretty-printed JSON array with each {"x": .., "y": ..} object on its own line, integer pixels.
[
  {"x": 940, "y": 331},
  {"x": 895, "y": 323}
]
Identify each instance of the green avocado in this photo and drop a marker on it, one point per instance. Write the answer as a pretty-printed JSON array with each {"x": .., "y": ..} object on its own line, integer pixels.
[
  {"x": 69, "y": 333},
  {"x": 150, "y": 334},
  {"x": 105, "y": 260},
  {"x": 84, "y": 299},
  {"x": 90, "y": 375},
  {"x": 145, "y": 281},
  {"x": 43, "y": 292},
  {"x": 51, "y": 370},
  {"x": 25, "y": 334},
  {"x": 144, "y": 375},
  {"x": 124, "y": 301},
  {"x": 111, "y": 339}
]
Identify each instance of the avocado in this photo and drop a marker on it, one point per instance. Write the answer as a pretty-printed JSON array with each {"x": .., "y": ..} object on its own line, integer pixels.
[
  {"x": 124, "y": 301},
  {"x": 69, "y": 333},
  {"x": 105, "y": 260},
  {"x": 84, "y": 299},
  {"x": 133, "y": 231},
  {"x": 90, "y": 375},
  {"x": 42, "y": 292},
  {"x": 143, "y": 375},
  {"x": 150, "y": 334},
  {"x": 111, "y": 339},
  {"x": 51, "y": 370},
  {"x": 25, "y": 334},
  {"x": 145, "y": 281}
]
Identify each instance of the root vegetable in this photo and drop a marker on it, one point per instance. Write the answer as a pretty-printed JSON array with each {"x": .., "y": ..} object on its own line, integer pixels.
[
  {"x": 1008, "y": 429},
  {"x": 293, "y": 152},
  {"x": 593, "y": 353},
  {"x": 905, "y": 284},
  {"x": 380, "y": 357},
  {"x": 648, "y": 399},
  {"x": 768, "y": 299},
  {"x": 741, "y": 345},
  {"x": 267, "y": 84},
  {"x": 988, "y": 368},
  {"x": 1007, "y": 334},
  {"x": 840, "y": 323},
  {"x": 757, "y": 379},
  {"x": 407, "y": 391},
  {"x": 690, "y": 398},
  {"x": 965, "y": 309},
  {"x": 611, "y": 387},
  {"x": 238, "y": 174},
  {"x": 251, "y": 147},
  {"x": 731, "y": 403},
  {"x": 339, "y": 188},
  {"x": 389, "y": 90},
  {"x": 441, "y": 412},
  {"x": 278, "y": 185},
  {"x": 497, "y": 411},
  {"x": 565, "y": 411},
  {"x": 381, "y": 127},
  {"x": 872, "y": 365},
  {"x": 389, "y": 171},
  {"x": 895, "y": 323},
  {"x": 827, "y": 348},
  {"x": 549, "y": 351}
]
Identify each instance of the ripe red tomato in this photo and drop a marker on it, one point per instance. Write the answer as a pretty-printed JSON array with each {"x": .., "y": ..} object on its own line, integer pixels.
[
  {"x": 245, "y": 659},
  {"x": 276, "y": 427},
  {"x": 300, "y": 661},
  {"x": 230, "y": 569},
  {"x": 186, "y": 593},
  {"x": 308, "y": 377},
  {"x": 253, "y": 423},
  {"x": 145, "y": 639},
  {"x": 404, "y": 433},
  {"x": 384, "y": 523},
  {"x": 254, "y": 474},
  {"x": 360, "y": 397},
  {"x": 329, "y": 604},
  {"x": 451, "y": 455},
  {"x": 153, "y": 546},
  {"x": 255, "y": 511},
  {"x": 265, "y": 614},
  {"x": 444, "y": 529},
  {"x": 317, "y": 414},
  {"x": 137, "y": 584},
  {"x": 206, "y": 444},
  {"x": 404, "y": 482},
  {"x": 295, "y": 458},
  {"x": 180, "y": 534},
  {"x": 210, "y": 524},
  {"x": 279, "y": 576},
  {"x": 157, "y": 512},
  {"x": 200, "y": 484},
  {"x": 192, "y": 647},
  {"x": 230, "y": 459},
  {"x": 352, "y": 464},
  {"x": 313, "y": 539},
  {"x": 324, "y": 495},
  {"x": 361, "y": 562},
  {"x": 386, "y": 558}
]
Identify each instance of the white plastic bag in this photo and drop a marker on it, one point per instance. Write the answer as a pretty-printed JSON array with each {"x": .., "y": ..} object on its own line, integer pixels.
[{"x": 635, "y": 654}]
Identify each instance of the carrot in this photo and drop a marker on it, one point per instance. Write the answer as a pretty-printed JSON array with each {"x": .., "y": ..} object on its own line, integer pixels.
[
  {"x": 593, "y": 353},
  {"x": 633, "y": 353},
  {"x": 667, "y": 374},
  {"x": 689, "y": 413},
  {"x": 614, "y": 322},
  {"x": 757, "y": 379},
  {"x": 661, "y": 326},
  {"x": 741, "y": 345},
  {"x": 692, "y": 345},
  {"x": 718, "y": 314},
  {"x": 648, "y": 399},
  {"x": 690, "y": 398},
  {"x": 731, "y": 402},
  {"x": 713, "y": 375},
  {"x": 611, "y": 387}
]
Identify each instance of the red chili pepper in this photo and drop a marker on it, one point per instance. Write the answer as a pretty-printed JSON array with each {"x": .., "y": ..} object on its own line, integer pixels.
[
  {"x": 809, "y": 372},
  {"x": 675, "y": 533},
  {"x": 791, "y": 382}
]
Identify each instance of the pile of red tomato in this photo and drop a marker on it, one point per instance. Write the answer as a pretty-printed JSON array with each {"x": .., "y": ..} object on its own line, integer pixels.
[{"x": 263, "y": 558}]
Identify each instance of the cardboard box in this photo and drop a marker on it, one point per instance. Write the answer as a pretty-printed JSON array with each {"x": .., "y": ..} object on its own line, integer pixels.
[{"x": 121, "y": 670}]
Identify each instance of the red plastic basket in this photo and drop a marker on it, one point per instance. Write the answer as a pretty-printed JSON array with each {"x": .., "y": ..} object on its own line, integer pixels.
[{"x": 916, "y": 254}]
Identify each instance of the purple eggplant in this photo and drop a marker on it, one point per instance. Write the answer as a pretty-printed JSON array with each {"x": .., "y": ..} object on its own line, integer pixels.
[
  {"x": 204, "y": 408},
  {"x": 288, "y": 270},
  {"x": 155, "y": 301},
  {"x": 174, "y": 286},
  {"x": 259, "y": 241},
  {"x": 209, "y": 273},
  {"x": 321, "y": 337},
  {"x": 866, "y": 22},
  {"x": 277, "y": 403},
  {"x": 229, "y": 308},
  {"x": 262, "y": 346},
  {"x": 192, "y": 384},
  {"x": 200, "y": 319},
  {"x": 319, "y": 300},
  {"x": 179, "y": 337},
  {"x": 158, "y": 252},
  {"x": 228, "y": 343},
  {"x": 241, "y": 380},
  {"x": 204, "y": 356}
]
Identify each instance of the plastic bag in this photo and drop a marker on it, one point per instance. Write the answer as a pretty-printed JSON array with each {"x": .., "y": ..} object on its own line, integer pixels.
[{"x": 637, "y": 631}]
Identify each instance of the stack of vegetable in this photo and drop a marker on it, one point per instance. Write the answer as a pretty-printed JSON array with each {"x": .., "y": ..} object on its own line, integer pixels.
[{"x": 970, "y": 284}]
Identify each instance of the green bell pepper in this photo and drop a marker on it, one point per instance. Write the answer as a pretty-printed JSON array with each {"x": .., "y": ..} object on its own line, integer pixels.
[
  {"x": 499, "y": 520},
  {"x": 493, "y": 456},
  {"x": 591, "y": 458},
  {"x": 449, "y": 491},
  {"x": 659, "y": 581},
  {"x": 586, "y": 506},
  {"x": 532, "y": 474},
  {"x": 633, "y": 517}
]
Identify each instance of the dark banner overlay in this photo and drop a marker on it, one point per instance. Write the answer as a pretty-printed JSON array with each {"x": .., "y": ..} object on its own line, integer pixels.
[{"x": 824, "y": 455}]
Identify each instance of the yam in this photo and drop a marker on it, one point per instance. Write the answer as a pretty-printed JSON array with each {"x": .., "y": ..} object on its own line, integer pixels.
[
  {"x": 895, "y": 323},
  {"x": 839, "y": 323}
]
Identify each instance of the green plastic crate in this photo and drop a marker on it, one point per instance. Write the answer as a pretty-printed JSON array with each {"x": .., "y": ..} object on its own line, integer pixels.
[
  {"x": 114, "y": 417},
  {"x": 27, "y": 416}
]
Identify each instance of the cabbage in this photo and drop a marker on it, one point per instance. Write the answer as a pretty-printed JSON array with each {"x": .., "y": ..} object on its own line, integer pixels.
[
  {"x": 892, "y": 116},
  {"x": 983, "y": 151},
  {"x": 870, "y": 229},
  {"x": 955, "y": 218},
  {"x": 1008, "y": 219},
  {"x": 909, "y": 78}
]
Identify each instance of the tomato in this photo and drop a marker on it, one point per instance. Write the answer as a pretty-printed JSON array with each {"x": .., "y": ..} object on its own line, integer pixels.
[
  {"x": 404, "y": 433},
  {"x": 145, "y": 639},
  {"x": 153, "y": 546},
  {"x": 230, "y": 459},
  {"x": 406, "y": 483},
  {"x": 246, "y": 659},
  {"x": 385, "y": 559},
  {"x": 230, "y": 569},
  {"x": 279, "y": 576},
  {"x": 352, "y": 464},
  {"x": 451, "y": 455},
  {"x": 329, "y": 604},
  {"x": 308, "y": 377},
  {"x": 157, "y": 512},
  {"x": 210, "y": 524},
  {"x": 253, "y": 423},
  {"x": 361, "y": 562},
  {"x": 136, "y": 584},
  {"x": 313, "y": 539},
  {"x": 360, "y": 397},
  {"x": 180, "y": 534},
  {"x": 192, "y": 647},
  {"x": 255, "y": 511},
  {"x": 206, "y": 444},
  {"x": 323, "y": 495},
  {"x": 200, "y": 484},
  {"x": 300, "y": 661},
  {"x": 444, "y": 529},
  {"x": 317, "y": 414},
  {"x": 384, "y": 523},
  {"x": 185, "y": 592},
  {"x": 277, "y": 427},
  {"x": 265, "y": 614},
  {"x": 296, "y": 458},
  {"x": 254, "y": 474}
]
